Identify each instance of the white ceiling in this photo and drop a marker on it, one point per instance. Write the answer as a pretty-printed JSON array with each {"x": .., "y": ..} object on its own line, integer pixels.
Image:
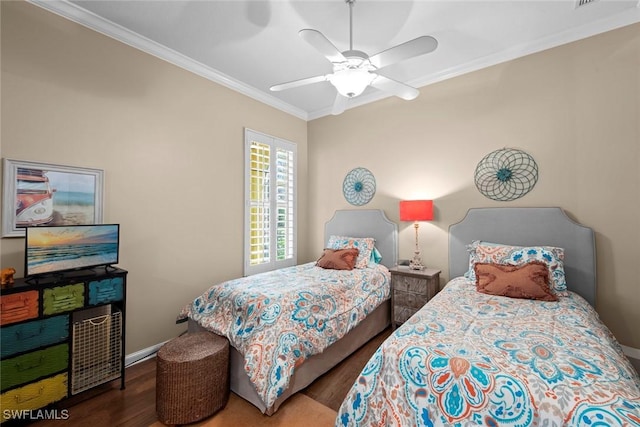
[{"x": 252, "y": 45}]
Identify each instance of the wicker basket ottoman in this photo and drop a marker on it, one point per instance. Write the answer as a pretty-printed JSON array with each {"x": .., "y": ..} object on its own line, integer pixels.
[{"x": 192, "y": 378}]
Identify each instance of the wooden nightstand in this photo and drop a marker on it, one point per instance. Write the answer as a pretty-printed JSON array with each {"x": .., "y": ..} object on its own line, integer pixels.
[{"x": 410, "y": 290}]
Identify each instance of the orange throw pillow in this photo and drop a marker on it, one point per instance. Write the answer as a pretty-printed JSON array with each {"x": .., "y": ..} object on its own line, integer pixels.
[
  {"x": 338, "y": 259},
  {"x": 530, "y": 280}
]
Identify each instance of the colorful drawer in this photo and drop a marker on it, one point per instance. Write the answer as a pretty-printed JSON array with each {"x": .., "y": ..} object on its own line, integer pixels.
[
  {"x": 31, "y": 366},
  {"x": 32, "y": 335},
  {"x": 35, "y": 395},
  {"x": 105, "y": 291},
  {"x": 18, "y": 307},
  {"x": 62, "y": 298}
]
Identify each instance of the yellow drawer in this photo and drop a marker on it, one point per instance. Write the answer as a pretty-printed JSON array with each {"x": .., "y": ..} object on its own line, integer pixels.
[{"x": 34, "y": 396}]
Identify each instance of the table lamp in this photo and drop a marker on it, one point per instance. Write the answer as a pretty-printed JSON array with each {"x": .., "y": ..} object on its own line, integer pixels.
[{"x": 416, "y": 210}]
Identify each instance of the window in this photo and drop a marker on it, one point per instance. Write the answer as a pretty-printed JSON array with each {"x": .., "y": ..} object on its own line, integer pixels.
[{"x": 270, "y": 203}]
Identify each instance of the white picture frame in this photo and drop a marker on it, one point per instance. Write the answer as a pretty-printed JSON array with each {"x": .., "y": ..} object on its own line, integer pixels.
[{"x": 36, "y": 194}]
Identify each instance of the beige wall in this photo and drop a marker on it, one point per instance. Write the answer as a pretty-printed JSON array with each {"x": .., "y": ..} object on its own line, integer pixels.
[
  {"x": 574, "y": 108},
  {"x": 171, "y": 147},
  {"x": 170, "y": 143}
]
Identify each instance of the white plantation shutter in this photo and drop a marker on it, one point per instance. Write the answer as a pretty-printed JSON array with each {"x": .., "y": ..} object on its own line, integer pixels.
[
  {"x": 270, "y": 208},
  {"x": 259, "y": 201}
]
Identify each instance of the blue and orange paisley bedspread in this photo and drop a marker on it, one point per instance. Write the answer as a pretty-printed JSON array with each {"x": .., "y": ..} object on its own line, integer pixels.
[
  {"x": 280, "y": 318},
  {"x": 470, "y": 359}
]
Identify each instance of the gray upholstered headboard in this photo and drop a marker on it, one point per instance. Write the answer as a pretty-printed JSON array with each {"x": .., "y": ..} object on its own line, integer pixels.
[
  {"x": 366, "y": 223},
  {"x": 529, "y": 227}
]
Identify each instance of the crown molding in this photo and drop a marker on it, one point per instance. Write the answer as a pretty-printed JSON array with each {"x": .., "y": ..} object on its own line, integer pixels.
[
  {"x": 90, "y": 20},
  {"x": 94, "y": 22},
  {"x": 628, "y": 17}
]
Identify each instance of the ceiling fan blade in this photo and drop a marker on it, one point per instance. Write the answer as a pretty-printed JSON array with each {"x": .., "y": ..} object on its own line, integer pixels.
[
  {"x": 396, "y": 88},
  {"x": 297, "y": 83},
  {"x": 339, "y": 104},
  {"x": 320, "y": 42},
  {"x": 410, "y": 49}
]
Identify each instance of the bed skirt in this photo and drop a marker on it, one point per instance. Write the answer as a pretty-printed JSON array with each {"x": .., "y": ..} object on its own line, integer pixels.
[{"x": 313, "y": 367}]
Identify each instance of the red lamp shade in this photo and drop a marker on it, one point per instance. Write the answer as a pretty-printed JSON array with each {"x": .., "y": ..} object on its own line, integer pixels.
[{"x": 416, "y": 210}]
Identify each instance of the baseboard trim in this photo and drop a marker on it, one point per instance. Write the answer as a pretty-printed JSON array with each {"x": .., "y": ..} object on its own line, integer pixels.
[
  {"x": 630, "y": 352},
  {"x": 138, "y": 356}
]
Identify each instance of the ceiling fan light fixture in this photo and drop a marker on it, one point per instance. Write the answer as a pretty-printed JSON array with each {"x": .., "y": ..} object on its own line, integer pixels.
[
  {"x": 351, "y": 82},
  {"x": 354, "y": 70}
]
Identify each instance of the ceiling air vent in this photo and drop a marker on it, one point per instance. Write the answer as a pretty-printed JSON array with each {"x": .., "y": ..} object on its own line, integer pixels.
[{"x": 580, "y": 3}]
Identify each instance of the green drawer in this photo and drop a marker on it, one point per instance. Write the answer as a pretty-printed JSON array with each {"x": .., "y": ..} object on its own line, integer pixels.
[
  {"x": 31, "y": 366},
  {"x": 62, "y": 298}
]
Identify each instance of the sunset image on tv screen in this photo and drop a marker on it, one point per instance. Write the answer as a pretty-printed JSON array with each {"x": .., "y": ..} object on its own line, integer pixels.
[{"x": 52, "y": 249}]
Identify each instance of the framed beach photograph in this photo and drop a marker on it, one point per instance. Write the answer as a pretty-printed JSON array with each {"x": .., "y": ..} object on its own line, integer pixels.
[{"x": 37, "y": 194}]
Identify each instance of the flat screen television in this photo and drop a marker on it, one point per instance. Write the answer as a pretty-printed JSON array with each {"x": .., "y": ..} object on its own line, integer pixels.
[{"x": 59, "y": 248}]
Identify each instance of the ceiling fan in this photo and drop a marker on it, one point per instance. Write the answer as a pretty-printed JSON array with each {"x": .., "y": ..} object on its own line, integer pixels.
[{"x": 354, "y": 70}]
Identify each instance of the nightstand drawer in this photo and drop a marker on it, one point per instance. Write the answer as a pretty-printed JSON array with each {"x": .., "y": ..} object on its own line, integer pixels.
[
  {"x": 409, "y": 299},
  {"x": 409, "y": 284},
  {"x": 402, "y": 314}
]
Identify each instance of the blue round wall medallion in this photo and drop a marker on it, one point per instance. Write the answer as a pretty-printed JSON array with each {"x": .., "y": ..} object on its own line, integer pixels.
[
  {"x": 506, "y": 174},
  {"x": 359, "y": 186}
]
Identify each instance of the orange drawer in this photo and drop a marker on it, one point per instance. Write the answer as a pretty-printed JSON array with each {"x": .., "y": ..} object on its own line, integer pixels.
[{"x": 18, "y": 307}]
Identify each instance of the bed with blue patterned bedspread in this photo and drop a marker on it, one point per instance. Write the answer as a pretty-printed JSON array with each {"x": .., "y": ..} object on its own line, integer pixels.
[
  {"x": 469, "y": 359},
  {"x": 280, "y": 318}
]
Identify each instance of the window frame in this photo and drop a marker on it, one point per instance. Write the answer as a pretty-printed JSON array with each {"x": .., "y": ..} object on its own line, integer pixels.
[{"x": 274, "y": 143}]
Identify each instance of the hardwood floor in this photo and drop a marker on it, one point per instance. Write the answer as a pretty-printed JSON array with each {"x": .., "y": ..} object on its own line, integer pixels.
[
  {"x": 107, "y": 405},
  {"x": 331, "y": 388},
  {"x": 136, "y": 405}
]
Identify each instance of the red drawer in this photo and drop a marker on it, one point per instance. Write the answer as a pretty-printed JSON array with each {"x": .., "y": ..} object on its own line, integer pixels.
[{"x": 18, "y": 307}]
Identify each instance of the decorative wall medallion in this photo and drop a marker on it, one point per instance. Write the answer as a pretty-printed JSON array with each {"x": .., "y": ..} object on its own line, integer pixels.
[
  {"x": 359, "y": 186},
  {"x": 506, "y": 174}
]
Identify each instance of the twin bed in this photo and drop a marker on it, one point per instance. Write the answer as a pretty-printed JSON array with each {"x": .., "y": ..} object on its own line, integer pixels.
[
  {"x": 266, "y": 393},
  {"x": 466, "y": 358}
]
